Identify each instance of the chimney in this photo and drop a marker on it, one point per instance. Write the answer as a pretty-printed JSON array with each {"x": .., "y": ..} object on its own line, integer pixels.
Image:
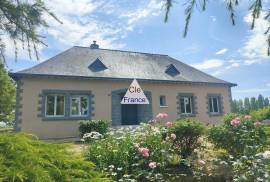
[{"x": 94, "y": 45}]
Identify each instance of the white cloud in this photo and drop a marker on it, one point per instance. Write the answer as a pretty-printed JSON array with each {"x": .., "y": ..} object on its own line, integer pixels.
[
  {"x": 256, "y": 46},
  {"x": 208, "y": 64},
  {"x": 221, "y": 51},
  {"x": 106, "y": 21},
  {"x": 268, "y": 84},
  {"x": 233, "y": 65}
]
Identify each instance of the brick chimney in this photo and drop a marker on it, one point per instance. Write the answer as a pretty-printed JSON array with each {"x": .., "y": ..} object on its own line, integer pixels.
[{"x": 94, "y": 45}]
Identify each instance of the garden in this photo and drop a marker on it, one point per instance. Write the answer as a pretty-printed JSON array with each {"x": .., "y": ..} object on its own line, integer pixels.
[{"x": 183, "y": 150}]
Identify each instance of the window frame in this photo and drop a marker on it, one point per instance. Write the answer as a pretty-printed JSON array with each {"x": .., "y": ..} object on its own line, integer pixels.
[
  {"x": 212, "y": 104},
  {"x": 67, "y": 114},
  {"x": 70, "y": 106},
  {"x": 160, "y": 101},
  {"x": 190, "y": 99},
  {"x": 55, "y": 106},
  {"x": 219, "y": 104}
]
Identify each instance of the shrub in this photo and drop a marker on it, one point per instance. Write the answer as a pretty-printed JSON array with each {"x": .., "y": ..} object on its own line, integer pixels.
[
  {"x": 132, "y": 154},
  {"x": 187, "y": 132},
  {"x": 88, "y": 126},
  {"x": 261, "y": 114},
  {"x": 24, "y": 158},
  {"x": 239, "y": 135}
]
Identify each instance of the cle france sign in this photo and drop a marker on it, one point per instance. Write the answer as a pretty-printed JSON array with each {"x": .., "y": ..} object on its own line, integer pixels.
[{"x": 134, "y": 95}]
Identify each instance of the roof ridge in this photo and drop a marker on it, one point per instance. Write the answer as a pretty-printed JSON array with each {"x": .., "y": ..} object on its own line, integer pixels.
[{"x": 124, "y": 51}]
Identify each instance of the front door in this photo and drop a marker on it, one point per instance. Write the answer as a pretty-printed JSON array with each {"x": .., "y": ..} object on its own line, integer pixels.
[{"x": 129, "y": 113}]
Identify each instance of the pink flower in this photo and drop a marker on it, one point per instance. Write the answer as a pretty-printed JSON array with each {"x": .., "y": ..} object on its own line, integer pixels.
[
  {"x": 152, "y": 165},
  {"x": 257, "y": 124},
  {"x": 162, "y": 115},
  {"x": 247, "y": 117},
  {"x": 236, "y": 121},
  {"x": 144, "y": 152},
  {"x": 169, "y": 124},
  {"x": 173, "y": 136}
]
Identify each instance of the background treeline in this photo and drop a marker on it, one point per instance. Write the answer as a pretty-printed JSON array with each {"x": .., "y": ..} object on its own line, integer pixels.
[{"x": 249, "y": 104}]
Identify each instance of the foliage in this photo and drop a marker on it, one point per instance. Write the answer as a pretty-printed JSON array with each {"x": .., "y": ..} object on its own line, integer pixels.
[
  {"x": 252, "y": 168},
  {"x": 238, "y": 135},
  {"x": 20, "y": 21},
  {"x": 7, "y": 96},
  {"x": 255, "y": 8},
  {"x": 187, "y": 132},
  {"x": 249, "y": 104},
  {"x": 24, "y": 158},
  {"x": 88, "y": 126},
  {"x": 261, "y": 114},
  {"x": 139, "y": 154}
]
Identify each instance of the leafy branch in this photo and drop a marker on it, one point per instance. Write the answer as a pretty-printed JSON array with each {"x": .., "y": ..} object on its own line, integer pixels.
[
  {"x": 19, "y": 20},
  {"x": 256, "y": 9}
]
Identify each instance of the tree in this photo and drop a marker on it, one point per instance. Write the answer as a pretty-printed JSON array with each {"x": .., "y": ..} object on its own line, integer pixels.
[
  {"x": 253, "y": 104},
  {"x": 266, "y": 101},
  {"x": 235, "y": 108},
  {"x": 19, "y": 20},
  {"x": 247, "y": 104},
  {"x": 256, "y": 9},
  {"x": 7, "y": 96},
  {"x": 260, "y": 101}
]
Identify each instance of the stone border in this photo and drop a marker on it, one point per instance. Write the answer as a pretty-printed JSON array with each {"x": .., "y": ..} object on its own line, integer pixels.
[
  {"x": 145, "y": 111},
  {"x": 67, "y": 94},
  {"x": 220, "y": 101},
  {"x": 194, "y": 104},
  {"x": 18, "y": 107}
]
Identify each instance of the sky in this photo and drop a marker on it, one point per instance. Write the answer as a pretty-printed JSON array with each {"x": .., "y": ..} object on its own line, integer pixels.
[{"x": 233, "y": 53}]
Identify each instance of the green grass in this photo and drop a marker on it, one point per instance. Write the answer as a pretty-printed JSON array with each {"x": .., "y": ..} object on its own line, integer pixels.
[{"x": 24, "y": 158}]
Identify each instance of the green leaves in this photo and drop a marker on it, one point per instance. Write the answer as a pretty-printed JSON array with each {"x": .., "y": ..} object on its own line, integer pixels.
[{"x": 20, "y": 20}]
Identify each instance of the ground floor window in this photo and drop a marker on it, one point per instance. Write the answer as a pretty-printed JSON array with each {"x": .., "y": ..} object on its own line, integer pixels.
[
  {"x": 55, "y": 105},
  {"x": 214, "y": 105},
  {"x": 186, "y": 104},
  {"x": 79, "y": 106},
  {"x": 162, "y": 101}
]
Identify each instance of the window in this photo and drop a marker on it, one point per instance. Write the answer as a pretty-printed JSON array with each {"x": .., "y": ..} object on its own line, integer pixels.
[
  {"x": 55, "y": 105},
  {"x": 162, "y": 100},
  {"x": 186, "y": 105},
  {"x": 214, "y": 105},
  {"x": 79, "y": 106}
]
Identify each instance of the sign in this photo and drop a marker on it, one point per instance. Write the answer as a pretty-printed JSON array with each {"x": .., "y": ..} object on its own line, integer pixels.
[{"x": 134, "y": 95}]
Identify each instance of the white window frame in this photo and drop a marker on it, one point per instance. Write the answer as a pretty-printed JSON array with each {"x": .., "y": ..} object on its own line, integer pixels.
[
  {"x": 79, "y": 96},
  {"x": 185, "y": 105},
  {"x": 55, "y": 105},
  {"x": 212, "y": 103}
]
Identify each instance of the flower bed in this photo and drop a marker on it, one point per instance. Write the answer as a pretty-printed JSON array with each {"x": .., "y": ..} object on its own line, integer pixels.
[{"x": 183, "y": 150}]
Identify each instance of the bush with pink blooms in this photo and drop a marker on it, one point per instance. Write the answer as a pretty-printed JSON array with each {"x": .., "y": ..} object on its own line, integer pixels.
[{"x": 238, "y": 135}]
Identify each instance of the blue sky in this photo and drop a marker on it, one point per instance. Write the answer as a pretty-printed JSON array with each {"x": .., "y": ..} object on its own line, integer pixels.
[{"x": 213, "y": 45}]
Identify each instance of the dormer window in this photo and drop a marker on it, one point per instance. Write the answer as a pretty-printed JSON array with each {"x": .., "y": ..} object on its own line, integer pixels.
[
  {"x": 97, "y": 65},
  {"x": 172, "y": 70}
]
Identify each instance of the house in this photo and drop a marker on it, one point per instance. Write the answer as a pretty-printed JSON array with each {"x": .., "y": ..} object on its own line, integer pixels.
[{"x": 89, "y": 83}]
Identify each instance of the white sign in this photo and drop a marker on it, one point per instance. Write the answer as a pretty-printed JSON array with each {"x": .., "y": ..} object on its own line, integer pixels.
[{"x": 134, "y": 95}]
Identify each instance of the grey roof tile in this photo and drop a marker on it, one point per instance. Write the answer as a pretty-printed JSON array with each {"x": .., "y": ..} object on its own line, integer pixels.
[{"x": 121, "y": 64}]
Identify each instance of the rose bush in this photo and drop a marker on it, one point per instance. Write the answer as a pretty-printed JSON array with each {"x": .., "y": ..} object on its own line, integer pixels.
[{"x": 239, "y": 135}]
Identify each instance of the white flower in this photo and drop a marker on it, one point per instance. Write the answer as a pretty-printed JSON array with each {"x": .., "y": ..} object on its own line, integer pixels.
[{"x": 266, "y": 154}]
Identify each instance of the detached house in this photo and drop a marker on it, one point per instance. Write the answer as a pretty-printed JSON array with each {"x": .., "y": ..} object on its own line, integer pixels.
[{"x": 89, "y": 83}]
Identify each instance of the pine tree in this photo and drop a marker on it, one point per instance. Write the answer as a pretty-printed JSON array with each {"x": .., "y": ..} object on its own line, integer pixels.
[
  {"x": 19, "y": 20},
  {"x": 247, "y": 105},
  {"x": 234, "y": 106},
  {"x": 253, "y": 104},
  {"x": 7, "y": 96},
  {"x": 266, "y": 101},
  {"x": 241, "y": 106},
  {"x": 260, "y": 101}
]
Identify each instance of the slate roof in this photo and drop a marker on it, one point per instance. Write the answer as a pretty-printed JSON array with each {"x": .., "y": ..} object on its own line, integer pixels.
[{"x": 120, "y": 64}]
